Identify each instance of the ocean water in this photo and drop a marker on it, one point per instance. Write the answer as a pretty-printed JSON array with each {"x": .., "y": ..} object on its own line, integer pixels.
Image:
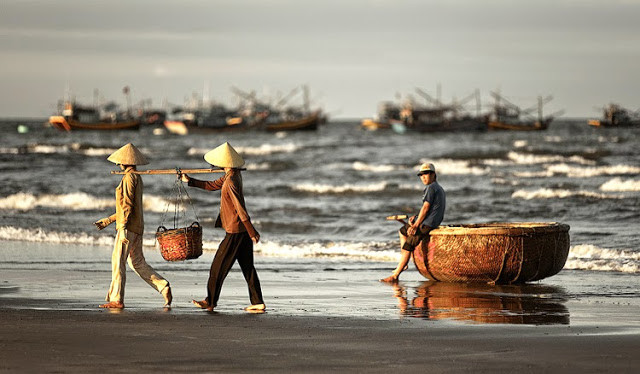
[
  {"x": 319, "y": 200},
  {"x": 326, "y": 193}
]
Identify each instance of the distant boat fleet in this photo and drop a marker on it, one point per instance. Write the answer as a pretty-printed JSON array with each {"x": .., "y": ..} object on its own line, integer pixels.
[
  {"x": 433, "y": 115},
  {"x": 430, "y": 114},
  {"x": 197, "y": 116}
]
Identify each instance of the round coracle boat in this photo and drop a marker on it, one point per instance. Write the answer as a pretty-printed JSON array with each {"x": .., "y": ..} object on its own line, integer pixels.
[{"x": 500, "y": 253}]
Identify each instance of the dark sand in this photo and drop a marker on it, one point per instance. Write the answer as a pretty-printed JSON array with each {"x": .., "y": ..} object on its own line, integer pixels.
[{"x": 95, "y": 341}]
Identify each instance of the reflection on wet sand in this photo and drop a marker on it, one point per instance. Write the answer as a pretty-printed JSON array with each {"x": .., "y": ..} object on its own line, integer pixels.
[{"x": 532, "y": 304}]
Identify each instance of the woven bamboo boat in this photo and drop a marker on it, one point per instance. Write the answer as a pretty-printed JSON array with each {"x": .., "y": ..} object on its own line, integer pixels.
[{"x": 498, "y": 253}]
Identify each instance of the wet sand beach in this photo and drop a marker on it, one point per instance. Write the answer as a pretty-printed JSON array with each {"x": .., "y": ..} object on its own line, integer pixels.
[{"x": 323, "y": 315}]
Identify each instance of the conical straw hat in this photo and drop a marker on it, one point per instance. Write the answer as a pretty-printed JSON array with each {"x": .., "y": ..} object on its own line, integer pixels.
[
  {"x": 128, "y": 155},
  {"x": 224, "y": 156}
]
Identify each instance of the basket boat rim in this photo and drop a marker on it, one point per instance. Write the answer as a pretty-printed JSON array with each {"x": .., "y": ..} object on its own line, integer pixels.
[{"x": 501, "y": 228}]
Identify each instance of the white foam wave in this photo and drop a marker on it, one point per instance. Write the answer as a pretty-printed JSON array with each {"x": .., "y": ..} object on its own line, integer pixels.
[
  {"x": 258, "y": 166},
  {"x": 590, "y": 257},
  {"x": 617, "y": 184},
  {"x": 531, "y": 159},
  {"x": 75, "y": 201},
  {"x": 553, "y": 139},
  {"x": 581, "y": 257},
  {"x": 455, "y": 167},
  {"x": 365, "y": 251},
  {"x": 550, "y": 193},
  {"x": 9, "y": 151},
  {"x": 71, "y": 201},
  {"x": 378, "y": 168},
  {"x": 59, "y": 149},
  {"x": 520, "y": 143},
  {"x": 262, "y": 150},
  {"x": 40, "y": 235},
  {"x": 586, "y": 172},
  {"x": 329, "y": 189}
]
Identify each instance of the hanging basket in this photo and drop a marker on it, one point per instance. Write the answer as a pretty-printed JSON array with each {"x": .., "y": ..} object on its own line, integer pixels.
[{"x": 180, "y": 244}]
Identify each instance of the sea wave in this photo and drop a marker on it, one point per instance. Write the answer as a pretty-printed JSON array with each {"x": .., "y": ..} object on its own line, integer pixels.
[
  {"x": 78, "y": 148},
  {"x": 345, "y": 188},
  {"x": 261, "y": 150},
  {"x": 518, "y": 158},
  {"x": 550, "y": 193},
  {"x": 366, "y": 167},
  {"x": 586, "y": 172},
  {"x": 455, "y": 167},
  {"x": 532, "y": 159},
  {"x": 76, "y": 201},
  {"x": 579, "y": 172},
  {"x": 54, "y": 237},
  {"x": 377, "y": 168},
  {"x": 590, "y": 257},
  {"x": 373, "y": 251},
  {"x": 520, "y": 143},
  {"x": 581, "y": 257},
  {"x": 617, "y": 184}
]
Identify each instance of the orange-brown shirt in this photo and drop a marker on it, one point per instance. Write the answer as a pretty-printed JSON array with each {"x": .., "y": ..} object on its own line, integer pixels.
[
  {"x": 233, "y": 217},
  {"x": 129, "y": 212}
]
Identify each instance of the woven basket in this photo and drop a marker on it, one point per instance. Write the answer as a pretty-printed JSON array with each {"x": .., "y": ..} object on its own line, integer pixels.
[
  {"x": 501, "y": 253},
  {"x": 180, "y": 244}
]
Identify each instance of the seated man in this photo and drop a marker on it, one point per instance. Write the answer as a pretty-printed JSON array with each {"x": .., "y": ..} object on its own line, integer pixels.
[{"x": 430, "y": 217}]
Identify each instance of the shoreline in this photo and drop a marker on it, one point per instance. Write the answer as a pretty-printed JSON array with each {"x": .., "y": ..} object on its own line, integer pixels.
[{"x": 322, "y": 315}]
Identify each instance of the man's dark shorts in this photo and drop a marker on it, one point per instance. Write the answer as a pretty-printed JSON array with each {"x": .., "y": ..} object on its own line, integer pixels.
[{"x": 413, "y": 240}]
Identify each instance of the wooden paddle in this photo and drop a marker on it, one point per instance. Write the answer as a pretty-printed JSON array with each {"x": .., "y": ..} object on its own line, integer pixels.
[{"x": 398, "y": 217}]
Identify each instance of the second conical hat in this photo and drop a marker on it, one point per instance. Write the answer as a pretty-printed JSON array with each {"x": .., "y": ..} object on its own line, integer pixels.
[
  {"x": 128, "y": 155},
  {"x": 224, "y": 156}
]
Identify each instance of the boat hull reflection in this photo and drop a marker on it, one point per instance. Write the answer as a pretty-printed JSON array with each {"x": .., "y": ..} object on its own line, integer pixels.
[{"x": 529, "y": 304}]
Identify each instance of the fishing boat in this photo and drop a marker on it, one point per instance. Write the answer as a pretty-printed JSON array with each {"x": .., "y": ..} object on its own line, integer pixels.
[
  {"x": 496, "y": 253},
  {"x": 302, "y": 123},
  {"x": 214, "y": 118},
  {"x": 615, "y": 115},
  {"x": 76, "y": 117},
  {"x": 431, "y": 116},
  {"x": 387, "y": 112},
  {"x": 261, "y": 114},
  {"x": 508, "y": 116}
]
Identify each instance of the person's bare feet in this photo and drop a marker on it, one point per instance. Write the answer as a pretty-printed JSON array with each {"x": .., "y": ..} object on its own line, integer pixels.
[
  {"x": 390, "y": 279},
  {"x": 112, "y": 305},
  {"x": 202, "y": 304},
  {"x": 168, "y": 298},
  {"x": 256, "y": 308}
]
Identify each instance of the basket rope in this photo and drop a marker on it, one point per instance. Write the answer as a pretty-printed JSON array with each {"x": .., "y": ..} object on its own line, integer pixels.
[
  {"x": 184, "y": 243},
  {"x": 178, "y": 191}
]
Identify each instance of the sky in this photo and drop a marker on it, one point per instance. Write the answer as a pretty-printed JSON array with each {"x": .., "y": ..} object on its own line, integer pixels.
[{"x": 352, "y": 54}]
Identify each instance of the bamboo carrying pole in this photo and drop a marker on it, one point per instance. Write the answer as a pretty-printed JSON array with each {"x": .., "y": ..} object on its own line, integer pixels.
[{"x": 172, "y": 171}]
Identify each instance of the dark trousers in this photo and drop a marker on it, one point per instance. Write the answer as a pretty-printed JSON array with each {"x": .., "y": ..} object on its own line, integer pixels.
[{"x": 234, "y": 247}]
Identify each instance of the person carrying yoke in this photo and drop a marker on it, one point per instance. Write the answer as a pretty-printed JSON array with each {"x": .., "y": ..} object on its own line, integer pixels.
[
  {"x": 234, "y": 219},
  {"x": 130, "y": 227}
]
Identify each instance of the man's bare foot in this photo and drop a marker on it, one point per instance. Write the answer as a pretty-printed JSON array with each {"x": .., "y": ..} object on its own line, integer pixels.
[
  {"x": 390, "y": 279},
  {"x": 113, "y": 305},
  {"x": 168, "y": 298},
  {"x": 256, "y": 308},
  {"x": 202, "y": 304}
]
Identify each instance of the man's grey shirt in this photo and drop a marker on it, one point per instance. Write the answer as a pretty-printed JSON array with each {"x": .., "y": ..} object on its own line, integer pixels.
[{"x": 435, "y": 196}]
